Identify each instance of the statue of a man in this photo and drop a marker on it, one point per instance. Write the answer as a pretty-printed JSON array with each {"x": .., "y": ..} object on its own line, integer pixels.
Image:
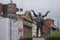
[{"x": 39, "y": 21}]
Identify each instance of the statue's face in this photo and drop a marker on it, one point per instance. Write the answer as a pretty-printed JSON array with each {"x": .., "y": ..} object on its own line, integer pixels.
[{"x": 39, "y": 14}]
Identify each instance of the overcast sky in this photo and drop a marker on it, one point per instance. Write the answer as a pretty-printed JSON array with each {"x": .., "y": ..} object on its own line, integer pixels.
[{"x": 40, "y": 6}]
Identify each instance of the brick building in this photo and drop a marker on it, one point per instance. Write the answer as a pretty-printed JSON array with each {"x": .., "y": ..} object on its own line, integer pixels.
[
  {"x": 8, "y": 10},
  {"x": 27, "y": 23},
  {"x": 1, "y": 9},
  {"x": 48, "y": 27},
  {"x": 26, "y": 27}
]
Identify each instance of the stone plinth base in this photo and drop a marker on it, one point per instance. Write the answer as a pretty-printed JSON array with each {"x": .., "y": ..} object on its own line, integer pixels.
[{"x": 38, "y": 38}]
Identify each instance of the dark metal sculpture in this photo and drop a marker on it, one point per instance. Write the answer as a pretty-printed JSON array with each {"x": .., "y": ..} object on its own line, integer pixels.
[{"x": 39, "y": 22}]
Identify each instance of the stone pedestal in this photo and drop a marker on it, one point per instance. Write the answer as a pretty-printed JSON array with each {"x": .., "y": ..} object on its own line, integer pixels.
[{"x": 38, "y": 38}]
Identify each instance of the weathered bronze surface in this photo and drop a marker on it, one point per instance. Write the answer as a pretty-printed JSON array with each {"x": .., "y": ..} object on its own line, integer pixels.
[{"x": 39, "y": 21}]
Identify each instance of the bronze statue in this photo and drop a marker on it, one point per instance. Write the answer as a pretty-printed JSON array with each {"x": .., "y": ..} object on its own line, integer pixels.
[{"x": 39, "y": 21}]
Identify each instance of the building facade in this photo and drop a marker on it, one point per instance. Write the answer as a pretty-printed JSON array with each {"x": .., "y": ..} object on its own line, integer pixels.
[
  {"x": 8, "y": 29},
  {"x": 48, "y": 27},
  {"x": 1, "y": 9},
  {"x": 26, "y": 20}
]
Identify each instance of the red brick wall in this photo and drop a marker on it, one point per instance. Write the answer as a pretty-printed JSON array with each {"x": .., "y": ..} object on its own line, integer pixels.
[
  {"x": 1, "y": 9},
  {"x": 14, "y": 7},
  {"x": 48, "y": 21},
  {"x": 46, "y": 27}
]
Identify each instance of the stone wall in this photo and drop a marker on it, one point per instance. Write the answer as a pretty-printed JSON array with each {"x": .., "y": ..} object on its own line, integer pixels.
[{"x": 27, "y": 31}]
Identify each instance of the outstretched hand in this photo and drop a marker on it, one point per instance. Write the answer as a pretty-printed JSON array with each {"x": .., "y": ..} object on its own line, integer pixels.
[
  {"x": 48, "y": 12},
  {"x": 32, "y": 10},
  {"x": 34, "y": 13}
]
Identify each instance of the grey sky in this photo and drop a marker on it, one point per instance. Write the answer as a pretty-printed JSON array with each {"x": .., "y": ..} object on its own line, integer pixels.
[{"x": 40, "y": 6}]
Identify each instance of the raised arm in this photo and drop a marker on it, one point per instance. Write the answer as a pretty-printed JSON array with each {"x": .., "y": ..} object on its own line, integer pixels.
[
  {"x": 34, "y": 13},
  {"x": 46, "y": 14}
]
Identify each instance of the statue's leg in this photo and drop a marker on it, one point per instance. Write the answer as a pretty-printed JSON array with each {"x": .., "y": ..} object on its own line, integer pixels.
[
  {"x": 37, "y": 31},
  {"x": 41, "y": 31}
]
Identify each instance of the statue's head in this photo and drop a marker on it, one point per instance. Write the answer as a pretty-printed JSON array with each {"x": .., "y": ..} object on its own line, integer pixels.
[{"x": 39, "y": 14}]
